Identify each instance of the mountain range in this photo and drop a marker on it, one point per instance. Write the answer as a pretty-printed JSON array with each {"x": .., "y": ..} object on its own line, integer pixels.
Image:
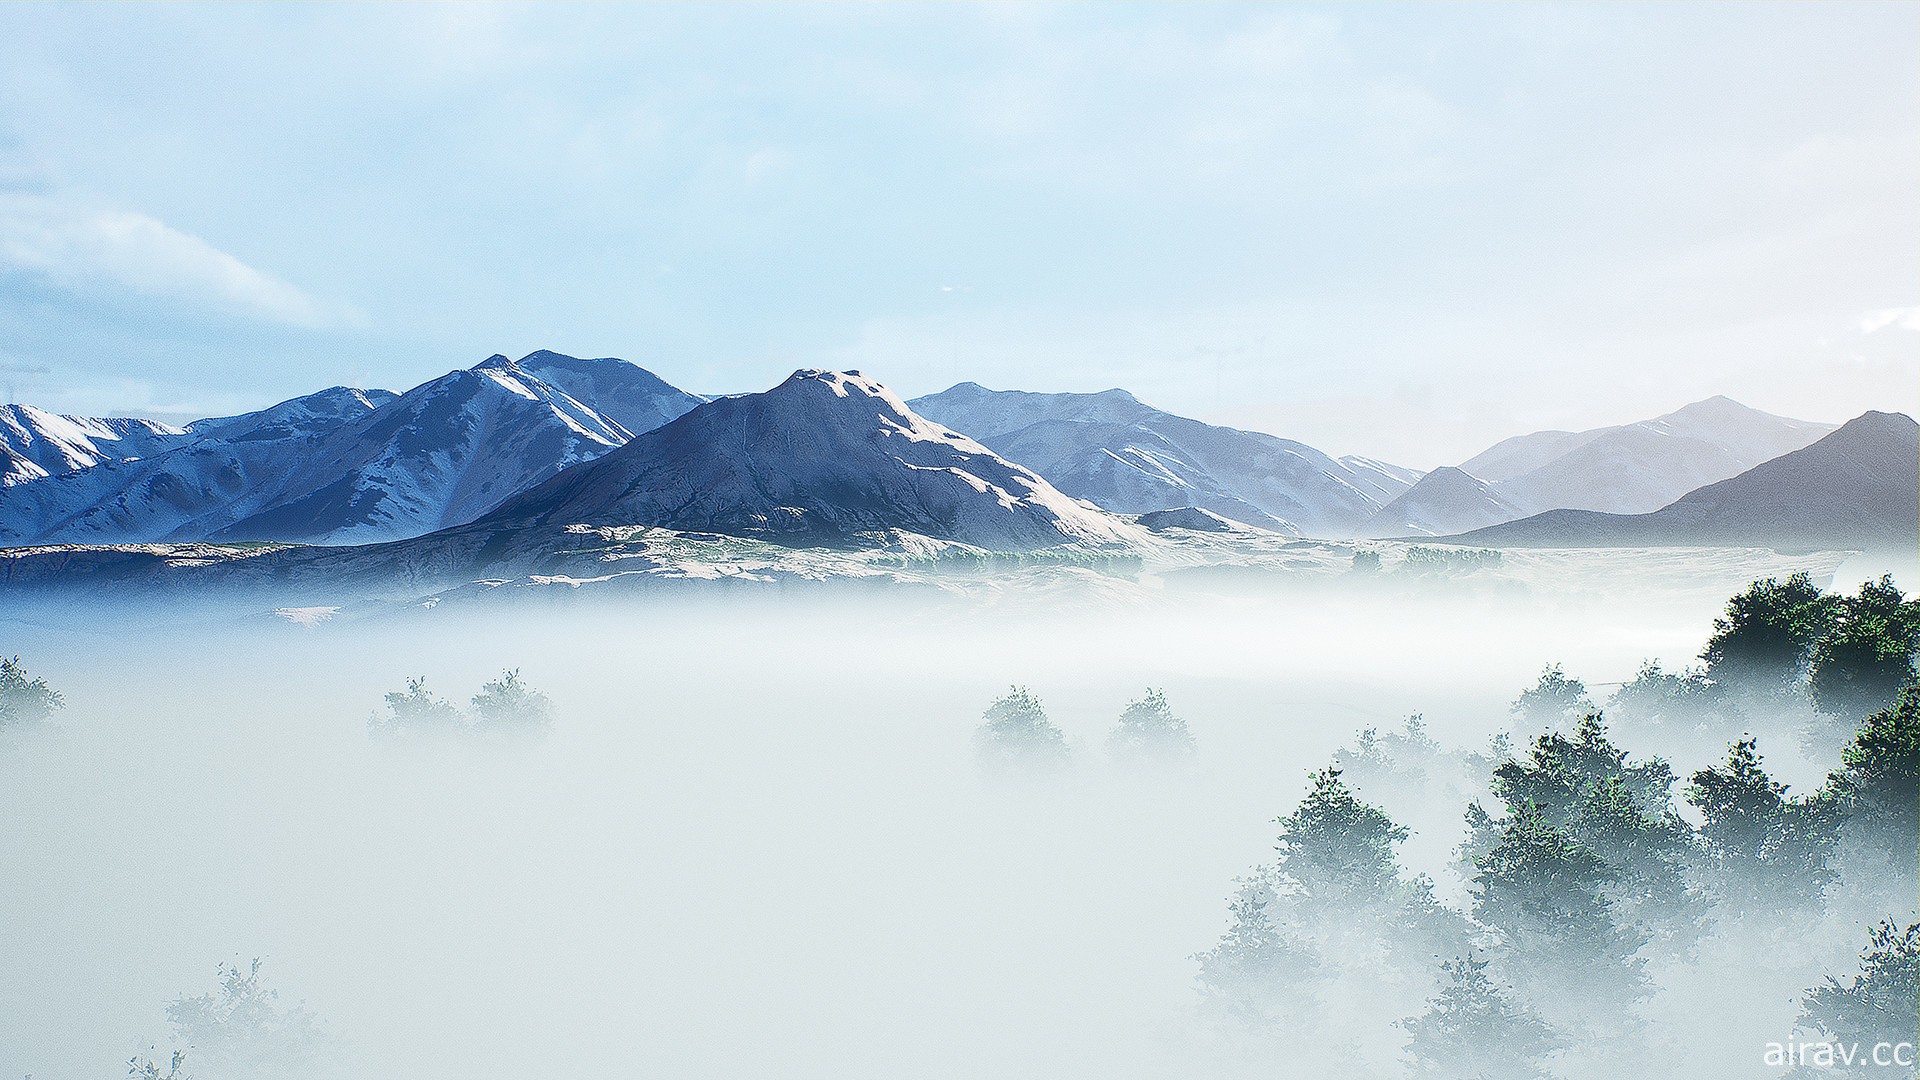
[
  {"x": 824, "y": 459},
  {"x": 1129, "y": 457},
  {"x": 1857, "y": 487},
  {"x": 352, "y": 466},
  {"x": 836, "y": 459}
]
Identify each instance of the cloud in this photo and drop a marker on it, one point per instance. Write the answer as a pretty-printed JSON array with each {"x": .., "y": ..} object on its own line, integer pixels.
[
  {"x": 1906, "y": 318},
  {"x": 82, "y": 247}
]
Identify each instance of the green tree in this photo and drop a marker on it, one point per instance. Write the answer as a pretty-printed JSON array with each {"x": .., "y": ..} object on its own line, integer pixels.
[
  {"x": 1149, "y": 730},
  {"x": 25, "y": 700},
  {"x": 508, "y": 704},
  {"x": 1335, "y": 847},
  {"x": 416, "y": 711},
  {"x": 1553, "y": 701},
  {"x": 1868, "y": 655},
  {"x": 1764, "y": 847},
  {"x": 1016, "y": 734},
  {"x": 1619, "y": 810},
  {"x": 1549, "y": 896},
  {"x": 1660, "y": 698},
  {"x": 1878, "y": 783},
  {"x": 1475, "y": 1030},
  {"x": 1880, "y": 1003},
  {"x": 1765, "y": 639}
]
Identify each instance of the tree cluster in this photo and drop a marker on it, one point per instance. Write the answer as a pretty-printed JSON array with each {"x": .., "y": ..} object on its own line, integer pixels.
[
  {"x": 503, "y": 706},
  {"x": 1582, "y": 871},
  {"x": 1015, "y": 734}
]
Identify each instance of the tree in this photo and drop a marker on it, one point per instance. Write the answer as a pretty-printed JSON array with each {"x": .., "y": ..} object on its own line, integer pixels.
[
  {"x": 1336, "y": 848},
  {"x": 1256, "y": 971},
  {"x": 1395, "y": 757},
  {"x": 1764, "y": 846},
  {"x": 1878, "y": 783},
  {"x": 1660, "y": 698},
  {"x": 1148, "y": 730},
  {"x": 1548, "y": 896},
  {"x": 416, "y": 711},
  {"x": 25, "y": 700},
  {"x": 1475, "y": 1030},
  {"x": 1879, "y": 1004},
  {"x": 240, "y": 1031},
  {"x": 1016, "y": 734},
  {"x": 1860, "y": 664},
  {"x": 507, "y": 704},
  {"x": 1553, "y": 701},
  {"x": 1620, "y": 811},
  {"x": 1766, "y": 637}
]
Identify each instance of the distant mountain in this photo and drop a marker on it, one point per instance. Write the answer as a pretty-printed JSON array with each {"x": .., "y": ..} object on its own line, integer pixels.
[
  {"x": 219, "y": 469},
  {"x": 35, "y": 443},
  {"x": 450, "y": 450},
  {"x": 1114, "y": 451},
  {"x": 1637, "y": 468},
  {"x": 352, "y": 466},
  {"x": 1446, "y": 500},
  {"x": 825, "y": 458},
  {"x": 1857, "y": 488}
]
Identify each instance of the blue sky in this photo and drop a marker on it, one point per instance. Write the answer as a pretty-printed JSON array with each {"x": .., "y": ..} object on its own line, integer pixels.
[{"x": 1402, "y": 230}]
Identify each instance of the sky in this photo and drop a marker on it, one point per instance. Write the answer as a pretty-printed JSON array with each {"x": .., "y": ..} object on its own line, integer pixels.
[{"x": 1405, "y": 231}]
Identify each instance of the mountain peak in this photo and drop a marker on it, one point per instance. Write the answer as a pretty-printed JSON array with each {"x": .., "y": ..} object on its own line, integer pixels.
[{"x": 824, "y": 457}]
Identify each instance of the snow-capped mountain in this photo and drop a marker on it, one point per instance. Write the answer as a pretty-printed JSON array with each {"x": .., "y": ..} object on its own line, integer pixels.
[
  {"x": 351, "y": 466},
  {"x": 449, "y": 450},
  {"x": 1638, "y": 468},
  {"x": 35, "y": 443},
  {"x": 216, "y": 469},
  {"x": 823, "y": 458},
  {"x": 1857, "y": 488},
  {"x": 310, "y": 416},
  {"x": 1115, "y": 451},
  {"x": 1444, "y": 501}
]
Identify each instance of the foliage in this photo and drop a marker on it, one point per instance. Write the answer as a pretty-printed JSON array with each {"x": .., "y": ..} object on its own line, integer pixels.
[
  {"x": 504, "y": 706},
  {"x": 1475, "y": 1029},
  {"x": 1433, "y": 560},
  {"x": 1256, "y": 970},
  {"x": 1335, "y": 847},
  {"x": 1861, "y": 663},
  {"x": 1878, "y": 783},
  {"x": 1765, "y": 639},
  {"x": 25, "y": 700},
  {"x": 1552, "y": 702},
  {"x": 240, "y": 1031},
  {"x": 1016, "y": 734},
  {"x": 1620, "y": 811},
  {"x": 144, "y": 1069},
  {"x": 1660, "y": 698},
  {"x": 1764, "y": 846},
  {"x": 1366, "y": 562},
  {"x": 416, "y": 710},
  {"x": 1398, "y": 755},
  {"x": 1880, "y": 1003},
  {"x": 1149, "y": 730},
  {"x": 507, "y": 703}
]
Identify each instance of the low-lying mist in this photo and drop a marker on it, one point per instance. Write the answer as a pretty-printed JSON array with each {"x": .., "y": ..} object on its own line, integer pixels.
[{"x": 755, "y": 842}]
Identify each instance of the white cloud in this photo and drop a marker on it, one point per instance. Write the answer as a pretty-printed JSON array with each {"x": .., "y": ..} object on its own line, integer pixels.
[
  {"x": 80, "y": 246},
  {"x": 1906, "y": 318}
]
